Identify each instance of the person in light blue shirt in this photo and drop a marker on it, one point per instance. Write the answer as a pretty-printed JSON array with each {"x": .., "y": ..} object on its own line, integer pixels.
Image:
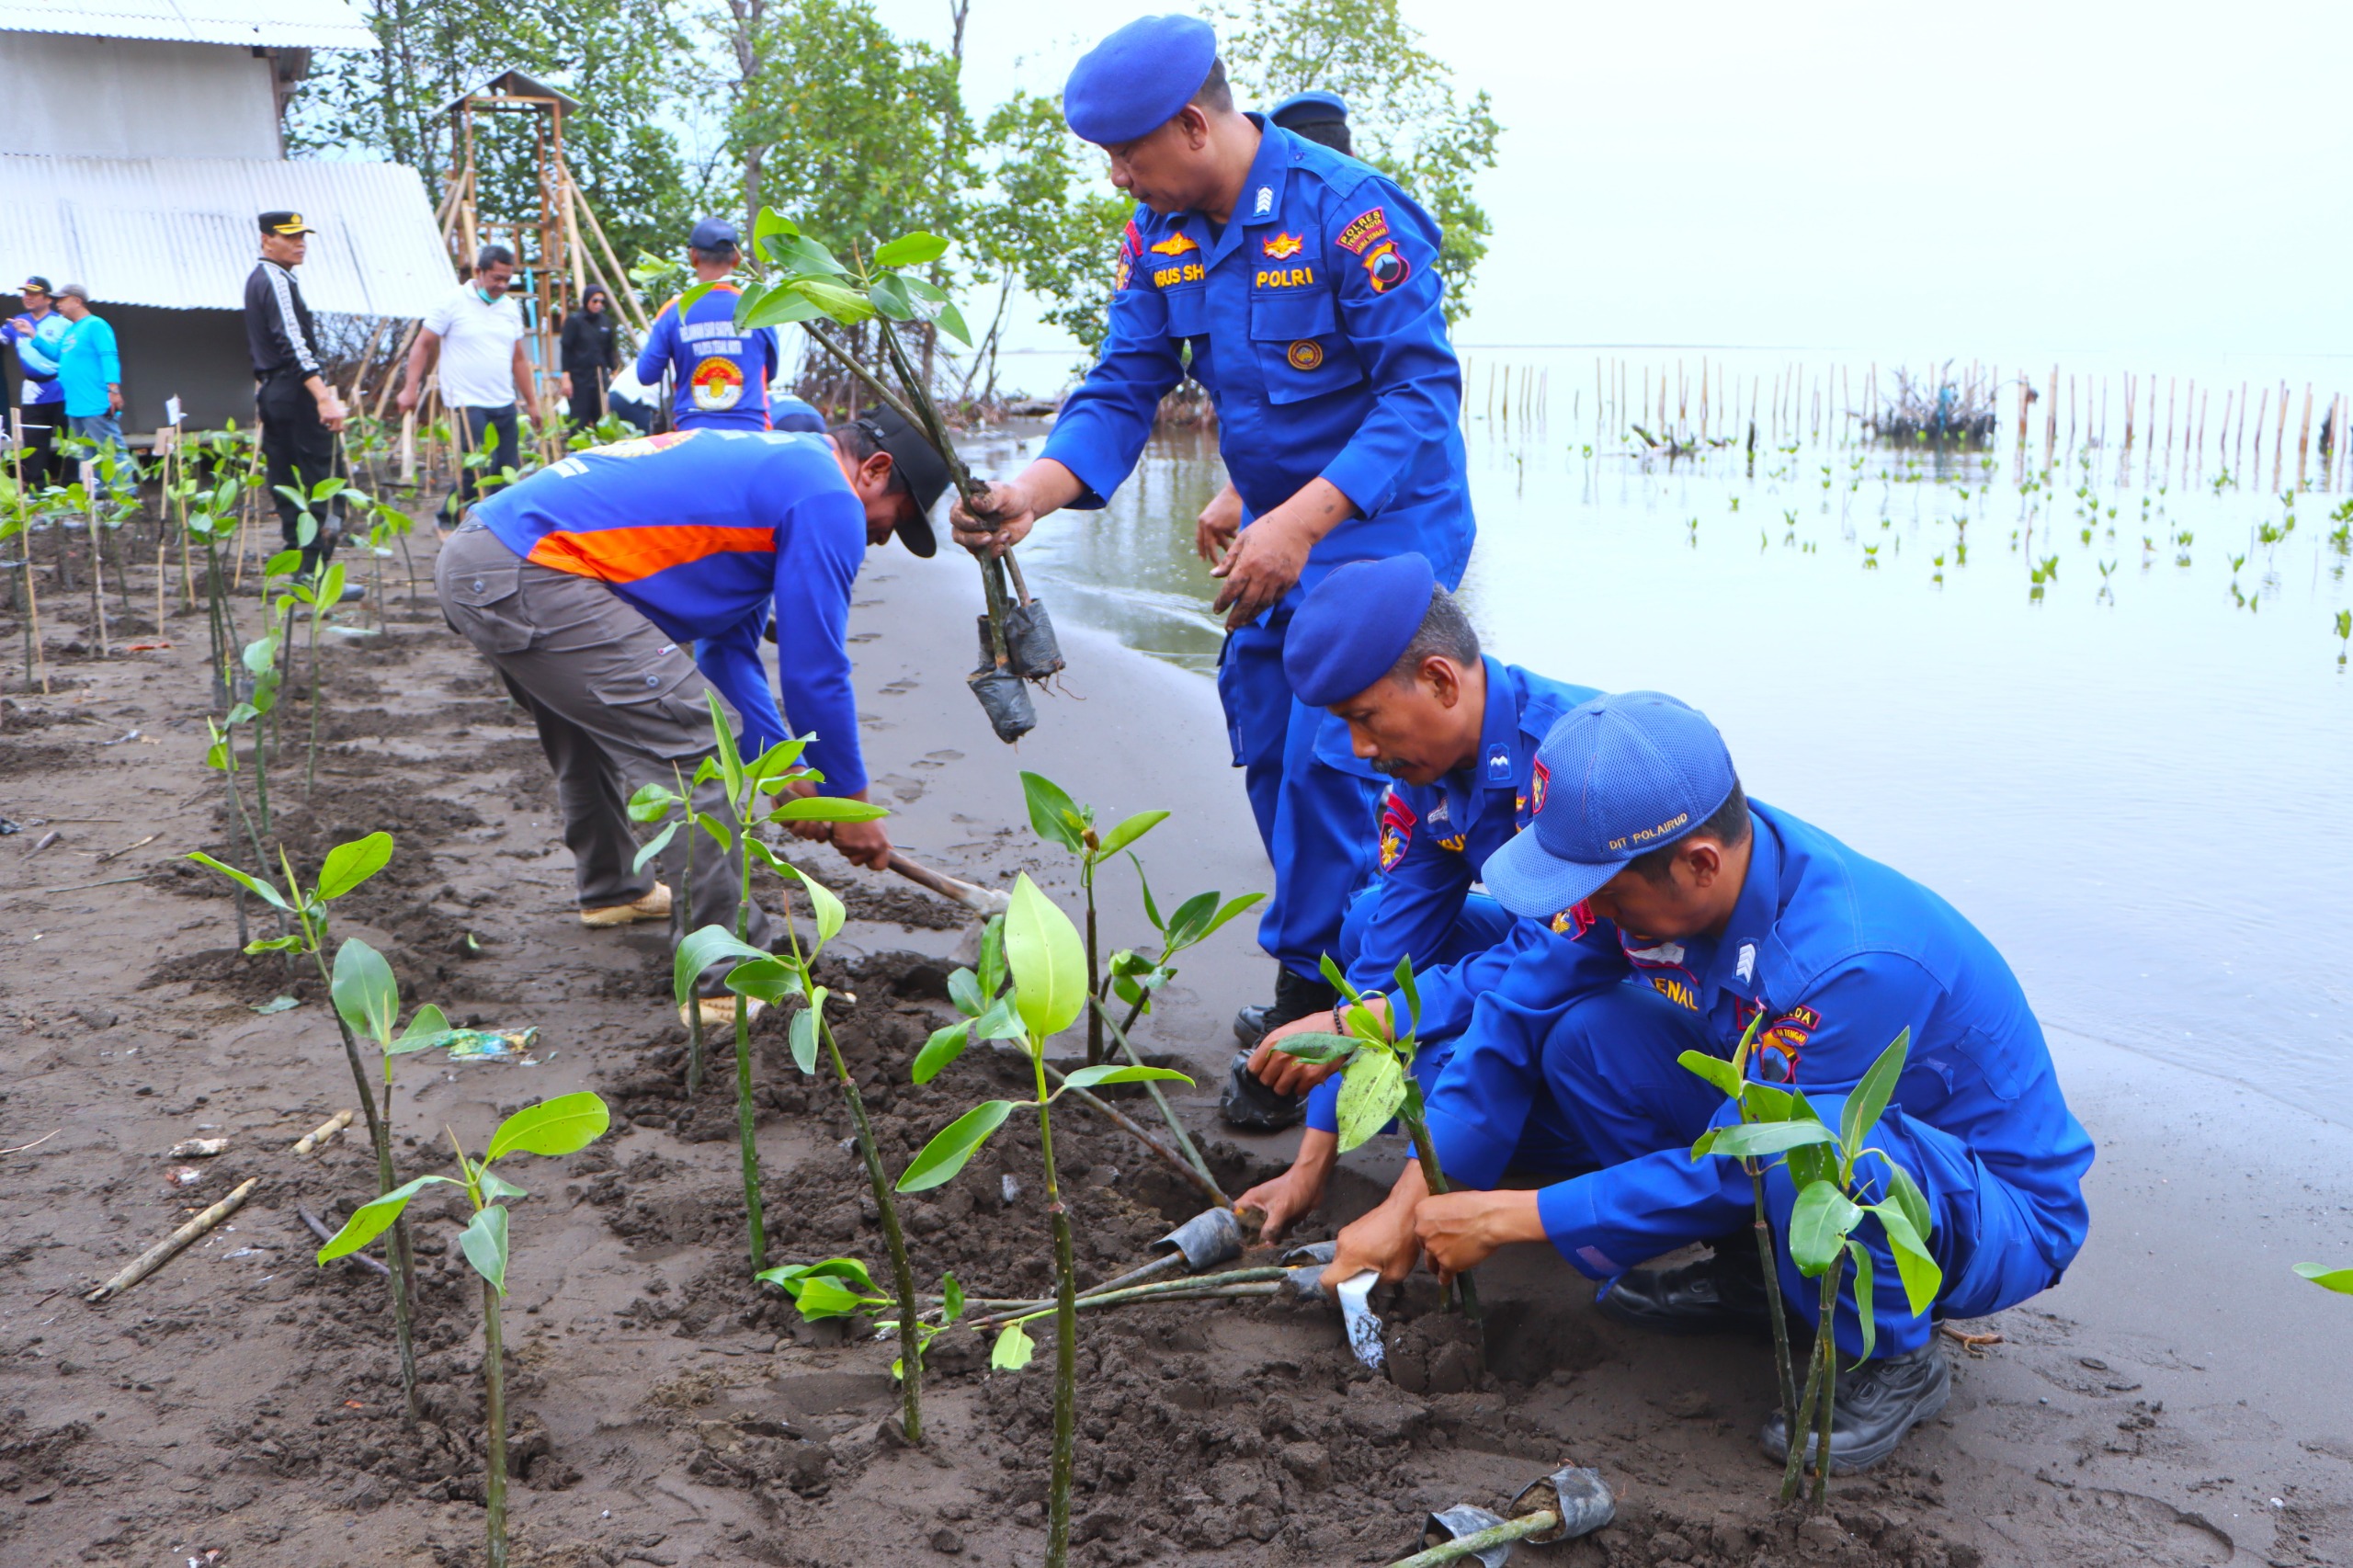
[
  {"x": 33, "y": 333},
  {"x": 89, "y": 367}
]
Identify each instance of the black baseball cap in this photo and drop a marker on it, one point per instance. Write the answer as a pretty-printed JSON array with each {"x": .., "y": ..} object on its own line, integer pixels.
[
  {"x": 916, "y": 460},
  {"x": 286, "y": 224},
  {"x": 36, "y": 284}
]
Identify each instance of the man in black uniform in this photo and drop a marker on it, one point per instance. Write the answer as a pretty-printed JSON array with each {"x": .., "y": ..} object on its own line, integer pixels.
[{"x": 300, "y": 412}]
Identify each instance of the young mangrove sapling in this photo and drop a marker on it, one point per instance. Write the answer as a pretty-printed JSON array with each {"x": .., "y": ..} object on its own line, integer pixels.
[
  {"x": 1050, "y": 988},
  {"x": 563, "y": 1125}
]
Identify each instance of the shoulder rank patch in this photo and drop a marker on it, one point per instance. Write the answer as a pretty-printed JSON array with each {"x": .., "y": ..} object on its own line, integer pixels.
[
  {"x": 1174, "y": 245},
  {"x": 1363, "y": 231},
  {"x": 1386, "y": 266},
  {"x": 1397, "y": 821},
  {"x": 1283, "y": 247}
]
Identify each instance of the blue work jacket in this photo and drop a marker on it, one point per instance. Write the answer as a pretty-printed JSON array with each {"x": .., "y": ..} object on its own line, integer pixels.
[
  {"x": 722, "y": 372},
  {"x": 1841, "y": 954},
  {"x": 1314, "y": 320},
  {"x": 1434, "y": 838}
]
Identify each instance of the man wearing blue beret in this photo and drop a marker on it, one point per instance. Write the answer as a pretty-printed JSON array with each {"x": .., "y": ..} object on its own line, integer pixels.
[
  {"x": 1300, "y": 289},
  {"x": 1391, "y": 657},
  {"x": 1687, "y": 912}
]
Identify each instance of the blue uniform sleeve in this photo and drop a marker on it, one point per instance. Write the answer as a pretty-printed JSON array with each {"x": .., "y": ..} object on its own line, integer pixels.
[
  {"x": 654, "y": 358},
  {"x": 1103, "y": 426},
  {"x": 731, "y": 662},
  {"x": 1480, "y": 1104},
  {"x": 36, "y": 349},
  {"x": 1610, "y": 1220},
  {"x": 1385, "y": 250},
  {"x": 814, "y": 581}
]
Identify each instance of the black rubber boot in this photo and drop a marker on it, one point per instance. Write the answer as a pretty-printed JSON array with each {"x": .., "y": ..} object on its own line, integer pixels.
[
  {"x": 1723, "y": 1291},
  {"x": 1247, "y": 1105},
  {"x": 1873, "y": 1406}
]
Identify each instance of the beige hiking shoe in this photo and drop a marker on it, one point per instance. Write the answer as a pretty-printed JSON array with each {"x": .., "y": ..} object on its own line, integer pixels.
[
  {"x": 719, "y": 1012},
  {"x": 655, "y": 906}
]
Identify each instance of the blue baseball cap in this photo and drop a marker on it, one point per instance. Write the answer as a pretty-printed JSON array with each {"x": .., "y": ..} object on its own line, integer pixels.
[
  {"x": 1314, "y": 106},
  {"x": 1354, "y": 626},
  {"x": 715, "y": 234},
  {"x": 1134, "y": 82},
  {"x": 1615, "y": 779}
]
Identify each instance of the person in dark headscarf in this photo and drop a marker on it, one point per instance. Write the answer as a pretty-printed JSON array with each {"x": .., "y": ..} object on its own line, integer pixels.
[{"x": 590, "y": 355}]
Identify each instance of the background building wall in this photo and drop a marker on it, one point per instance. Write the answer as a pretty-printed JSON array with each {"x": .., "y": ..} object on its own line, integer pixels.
[{"x": 135, "y": 98}]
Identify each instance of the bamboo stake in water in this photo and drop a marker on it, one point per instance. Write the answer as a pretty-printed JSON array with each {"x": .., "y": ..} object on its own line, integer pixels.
[
  {"x": 2305, "y": 435},
  {"x": 2279, "y": 439}
]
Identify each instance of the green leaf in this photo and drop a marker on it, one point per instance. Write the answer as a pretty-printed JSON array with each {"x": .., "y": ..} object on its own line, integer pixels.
[
  {"x": 1919, "y": 1271},
  {"x": 923, "y": 289},
  {"x": 276, "y": 1004},
  {"x": 887, "y": 295},
  {"x": 429, "y": 1028},
  {"x": 955, "y": 1143},
  {"x": 771, "y": 224},
  {"x": 945, "y": 1044},
  {"x": 1412, "y": 994},
  {"x": 1331, "y": 971},
  {"x": 1127, "y": 831},
  {"x": 693, "y": 297},
  {"x": 804, "y": 1031},
  {"x": 273, "y": 945},
  {"x": 1819, "y": 1226},
  {"x": 2337, "y": 1279},
  {"x": 1191, "y": 920},
  {"x": 1747, "y": 1140},
  {"x": 827, "y": 907},
  {"x": 1012, "y": 1350},
  {"x": 1869, "y": 1100},
  {"x": 710, "y": 945},
  {"x": 560, "y": 1125},
  {"x": 993, "y": 956},
  {"x": 375, "y": 1216},
  {"x": 1151, "y": 910},
  {"x": 484, "y": 1241},
  {"x": 365, "y": 992},
  {"x": 910, "y": 250},
  {"x": 285, "y": 563},
  {"x": 951, "y": 1300},
  {"x": 951, "y": 322},
  {"x": 798, "y": 252},
  {"x": 497, "y": 1187},
  {"x": 1049, "y": 962},
  {"x": 1112, "y": 1073},
  {"x": 821, "y": 1297},
  {"x": 1763, "y": 1102},
  {"x": 253, "y": 885},
  {"x": 1233, "y": 907},
  {"x": 1319, "y": 1048},
  {"x": 964, "y": 990},
  {"x": 653, "y": 847},
  {"x": 1714, "y": 1069},
  {"x": 777, "y": 762},
  {"x": 1000, "y": 1022},
  {"x": 1371, "y": 1088},
  {"x": 1053, "y": 814},
  {"x": 1906, "y": 1194},
  {"x": 828, "y": 808},
  {"x": 348, "y": 864},
  {"x": 651, "y": 803},
  {"x": 789, "y": 1277},
  {"x": 778, "y": 307},
  {"x": 844, "y": 305},
  {"x": 1862, "y": 1257},
  {"x": 770, "y": 979}
]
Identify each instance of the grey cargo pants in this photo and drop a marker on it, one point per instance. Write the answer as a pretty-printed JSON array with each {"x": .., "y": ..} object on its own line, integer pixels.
[{"x": 618, "y": 705}]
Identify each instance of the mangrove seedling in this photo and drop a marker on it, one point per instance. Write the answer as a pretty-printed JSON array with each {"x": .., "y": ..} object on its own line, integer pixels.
[
  {"x": 653, "y": 804},
  {"x": 841, "y": 1288},
  {"x": 1047, "y": 962},
  {"x": 1058, "y": 819},
  {"x": 563, "y": 1125},
  {"x": 1822, "y": 1221},
  {"x": 1377, "y": 1081},
  {"x": 346, "y": 866}
]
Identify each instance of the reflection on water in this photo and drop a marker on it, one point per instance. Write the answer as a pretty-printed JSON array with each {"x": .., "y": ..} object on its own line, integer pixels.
[{"x": 2098, "y": 707}]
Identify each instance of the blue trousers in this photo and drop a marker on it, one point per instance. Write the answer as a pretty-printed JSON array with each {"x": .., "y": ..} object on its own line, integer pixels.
[
  {"x": 1611, "y": 1065},
  {"x": 1319, "y": 824}
]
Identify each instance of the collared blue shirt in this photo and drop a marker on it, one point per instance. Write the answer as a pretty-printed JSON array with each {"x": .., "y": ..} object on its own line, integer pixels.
[
  {"x": 1840, "y": 954},
  {"x": 1434, "y": 838},
  {"x": 1314, "y": 320}
]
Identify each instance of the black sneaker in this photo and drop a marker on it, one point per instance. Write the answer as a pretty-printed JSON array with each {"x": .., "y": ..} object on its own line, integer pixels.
[
  {"x": 1724, "y": 1291},
  {"x": 1295, "y": 998},
  {"x": 1247, "y": 1105},
  {"x": 1875, "y": 1404}
]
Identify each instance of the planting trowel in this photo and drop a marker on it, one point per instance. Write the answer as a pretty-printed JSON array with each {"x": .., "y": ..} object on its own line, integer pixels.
[
  {"x": 1210, "y": 1238},
  {"x": 1571, "y": 1502}
]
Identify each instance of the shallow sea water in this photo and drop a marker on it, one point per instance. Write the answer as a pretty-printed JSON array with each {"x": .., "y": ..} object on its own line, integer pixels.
[{"x": 2132, "y": 780}]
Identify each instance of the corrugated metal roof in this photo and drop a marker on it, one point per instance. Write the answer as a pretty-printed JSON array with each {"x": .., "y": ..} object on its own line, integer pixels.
[
  {"x": 179, "y": 232},
  {"x": 284, "y": 24}
]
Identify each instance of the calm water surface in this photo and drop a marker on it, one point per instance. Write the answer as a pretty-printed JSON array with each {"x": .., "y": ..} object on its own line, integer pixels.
[{"x": 2131, "y": 775}]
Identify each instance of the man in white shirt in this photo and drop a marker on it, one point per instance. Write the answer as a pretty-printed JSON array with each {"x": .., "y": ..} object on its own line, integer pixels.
[{"x": 477, "y": 335}]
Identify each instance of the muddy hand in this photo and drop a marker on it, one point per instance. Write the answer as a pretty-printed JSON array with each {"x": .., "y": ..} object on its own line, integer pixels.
[
  {"x": 1263, "y": 566},
  {"x": 1281, "y": 1201},
  {"x": 1382, "y": 1239},
  {"x": 1219, "y": 522},
  {"x": 1000, "y": 520},
  {"x": 1461, "y": 1229},
  {"x": 1285, "y": 1073}
]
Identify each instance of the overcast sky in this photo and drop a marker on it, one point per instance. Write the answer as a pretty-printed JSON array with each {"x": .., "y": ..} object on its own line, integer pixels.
[{"x": 1981, "y": 178}]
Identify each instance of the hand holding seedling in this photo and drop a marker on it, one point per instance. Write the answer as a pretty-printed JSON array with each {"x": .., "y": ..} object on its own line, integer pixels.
[
  {"x": 1288, "y": 1075},
  {"x": 1003, "y": 514},
  {"x": 1269, "y": 555},
  {"x": 1460, "y": 1230}
]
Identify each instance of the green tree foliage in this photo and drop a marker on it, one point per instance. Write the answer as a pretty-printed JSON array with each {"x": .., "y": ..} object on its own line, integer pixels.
[
  {"x": 619, "y": 58},
  {"x": 1045, "y": 221},
  {"x": 1403, "y": 113}
]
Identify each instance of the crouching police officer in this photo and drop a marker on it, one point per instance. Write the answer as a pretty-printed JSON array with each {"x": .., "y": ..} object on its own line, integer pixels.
[
  {"x": 1300, "y": 289},
  {"x": 1390, "y": 654},
  {"x": 585, "y": 585},
  {"x": 1685, "y": 912}
]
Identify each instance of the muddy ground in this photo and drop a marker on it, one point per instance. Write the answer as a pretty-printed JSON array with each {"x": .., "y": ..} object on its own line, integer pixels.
[{"x": 667, "y": 1410}]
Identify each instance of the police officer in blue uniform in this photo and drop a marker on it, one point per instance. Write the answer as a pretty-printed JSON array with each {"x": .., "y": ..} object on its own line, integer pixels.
[
  {"x": 1318, "y": 116},
  {"x": 1390, "y": 654},
  {"x": 1300, "y": 289},
  {"x": 1682, "y": 913}
]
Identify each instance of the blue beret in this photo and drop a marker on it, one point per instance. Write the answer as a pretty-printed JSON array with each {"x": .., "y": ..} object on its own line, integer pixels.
[
  {"x": 1354, "y": 626},
  {"x": 1134, "y": 82},
  {"x": 1311, "y": 107}
]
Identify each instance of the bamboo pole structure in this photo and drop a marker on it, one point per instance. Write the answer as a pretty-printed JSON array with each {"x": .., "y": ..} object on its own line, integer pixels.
[{"x": 2305, "y": 435}]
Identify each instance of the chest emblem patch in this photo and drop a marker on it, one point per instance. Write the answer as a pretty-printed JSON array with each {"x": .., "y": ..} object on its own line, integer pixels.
[
  {"x": 1174, "y": 245},
  {"x": 1305, "y": 354},
  {"x": 1283, "y": 247}
]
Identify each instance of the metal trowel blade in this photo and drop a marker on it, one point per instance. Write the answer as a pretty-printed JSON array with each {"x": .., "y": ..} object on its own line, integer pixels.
[{"x": 1364, "y": 1324}]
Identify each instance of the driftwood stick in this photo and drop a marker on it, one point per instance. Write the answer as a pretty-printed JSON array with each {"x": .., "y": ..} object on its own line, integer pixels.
[
  {"x": 162, "y": 1252},
  {"x": 316, "y": 1137}
]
